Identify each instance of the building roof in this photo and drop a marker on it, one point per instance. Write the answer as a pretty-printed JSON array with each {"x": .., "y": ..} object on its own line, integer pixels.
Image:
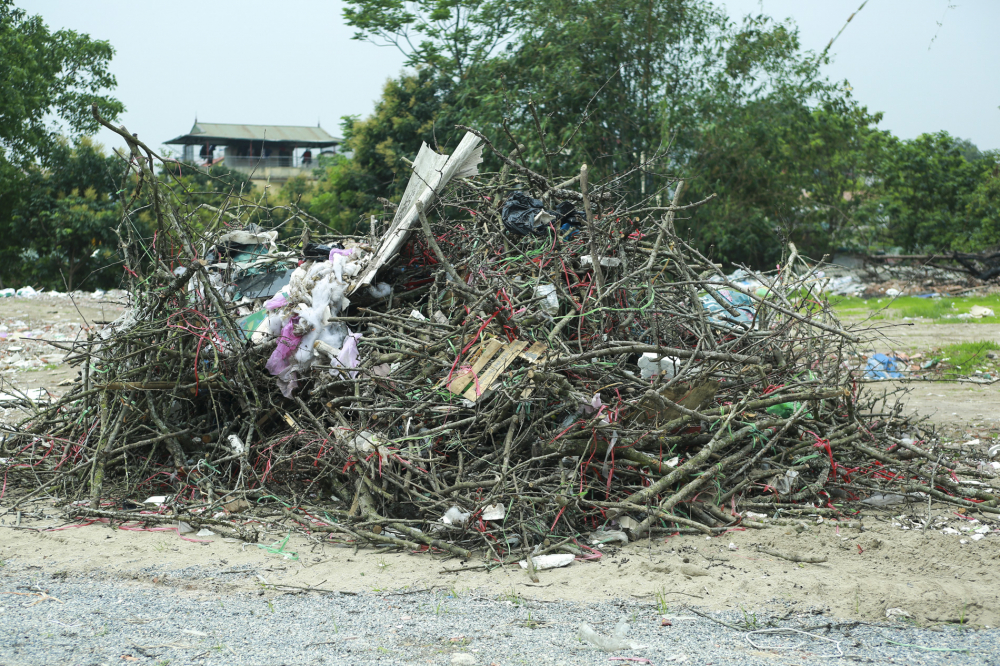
[{"x": 311, "y": 137}]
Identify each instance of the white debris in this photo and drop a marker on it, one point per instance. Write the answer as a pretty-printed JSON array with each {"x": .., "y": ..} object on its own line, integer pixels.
[
  {"x": 455, "y": 516},
  {"x": 551, "y": 561},
  {"x": 652, "y": 364},
  {"x": 494, "y": 511}
]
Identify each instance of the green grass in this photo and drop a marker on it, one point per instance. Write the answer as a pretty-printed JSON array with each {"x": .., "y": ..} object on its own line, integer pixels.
[
  {"x": 941, "y": 310},
  {"x": 964, "y": 358}
]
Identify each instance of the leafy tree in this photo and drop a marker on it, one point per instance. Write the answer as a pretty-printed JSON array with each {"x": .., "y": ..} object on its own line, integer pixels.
[
  {"x": 45, "y": 75},
  {"x": 744, "y": 111},
  {"x": 930, "y": 197},
  {"x": 63, "y": 227},
  {"x": 408, "y": 113},
  {"x": 449, "y": 36}
]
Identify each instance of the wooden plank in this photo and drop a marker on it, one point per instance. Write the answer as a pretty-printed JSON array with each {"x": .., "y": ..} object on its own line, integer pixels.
[
  {"x": 508, "y": 356},
  {"x": 462, "y": 378},
  {"x": 533, "y": 354}
]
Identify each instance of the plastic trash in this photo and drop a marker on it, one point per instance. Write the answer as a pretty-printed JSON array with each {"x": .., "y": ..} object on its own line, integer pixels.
[
  {"x": 881, "y": 366},
  {"x": 494, "y": 511},
  {"x": 649, "y": 365},
  {"x": 994, "y": 451},
  {"x": 884, "y": 499},
  {"x": 553, "y": 561},
  {"x": 7, "y": 293},
  {"x": 205, "y": 532},
  {"x": 366, "y": 442},
  {"x": 617, "y": 641},
  {"x": 628, "y": 523},
  {"x": 455, "y": 516},
  {"x": 236, "y": 443},
  {"x": 27, "y": 292},
  {"x": 607, "y": 262},
  {"x": 263, "y": 285},
  {"x": 551, "y": 300},
  {"x": 978, "y": 312},
  {"x": 784, "y": 484},
  {"x": 738, "y": 301},
  {"x": 525, "y": 215},
  {"x": 892, "y": 293},
  {"x": 609, "y": 536}
]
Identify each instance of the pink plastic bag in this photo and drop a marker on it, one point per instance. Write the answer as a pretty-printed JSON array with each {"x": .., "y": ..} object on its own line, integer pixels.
[
  {"x": 277, "y": 301},
  {"x": 288, "y": 342}
]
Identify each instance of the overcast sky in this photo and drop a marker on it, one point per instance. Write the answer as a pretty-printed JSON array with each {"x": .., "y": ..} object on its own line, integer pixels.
[{"x": 294, "y": 62}]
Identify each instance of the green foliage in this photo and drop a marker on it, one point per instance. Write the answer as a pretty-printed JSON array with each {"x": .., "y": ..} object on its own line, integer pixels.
[
  {"x": 62, "y": 230},
  {"x": 742, "y": 109},
  {"x": 48, "y": 82},
  {"x": 45, "y": 76},
  {"x": 738, "y": 109},
  {"x": 449, "y": 36},
  {"x": 783, "y": 169},
  {"x": 406, "y": 115},
  {"x": 930, "y": 197}
]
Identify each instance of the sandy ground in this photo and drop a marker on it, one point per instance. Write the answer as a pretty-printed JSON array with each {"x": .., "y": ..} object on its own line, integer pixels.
[
  {"x": 933, "y": 576},
  {"x": 27, "y": 361},
  {"x": 957, "y": 408}
]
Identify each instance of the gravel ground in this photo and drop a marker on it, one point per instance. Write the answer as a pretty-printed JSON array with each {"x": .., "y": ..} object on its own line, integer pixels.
[{"x": 114, "y": 621}]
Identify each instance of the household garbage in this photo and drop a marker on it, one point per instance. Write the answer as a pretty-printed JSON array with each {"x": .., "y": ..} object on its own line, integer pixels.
[
  {"x": 550, "y": 299},
  {"x": 616, "y": 641},
  {"x": 551, "y": 561},
  {"x": 494, "y": 511},
  {"x": 881, "y": 366},
  {"x": 978, "y": 312},
  {"x": 741, "y": 304},
  {"x": 525, "y": 215},
  {"x": 650, "y": 364}
]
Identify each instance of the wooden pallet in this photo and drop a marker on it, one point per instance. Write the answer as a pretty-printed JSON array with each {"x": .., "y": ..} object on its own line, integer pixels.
[{"x": 488, "y": 362}]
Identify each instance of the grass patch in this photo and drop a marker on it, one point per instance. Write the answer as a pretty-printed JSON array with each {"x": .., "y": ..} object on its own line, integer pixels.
[
  {"x": 964, "y": 358},
  {"x": 942, "y": 310}
]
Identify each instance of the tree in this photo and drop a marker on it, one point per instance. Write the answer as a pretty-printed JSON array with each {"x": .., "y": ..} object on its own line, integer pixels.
[
  {"x": 45, "y": 75},
  {"x": 931, "y": 198},
  {"x": 743, "y": 110},
  {"x": 410, "y": 111},
  {"x": 63, "y": 227},
  {"x": 448, "y": 36}
]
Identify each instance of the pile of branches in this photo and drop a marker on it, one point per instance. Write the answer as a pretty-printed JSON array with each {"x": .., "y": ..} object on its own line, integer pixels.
[{"x": 512, "y": 389}]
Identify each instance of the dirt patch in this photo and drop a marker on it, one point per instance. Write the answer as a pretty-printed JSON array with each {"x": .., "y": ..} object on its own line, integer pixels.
[
  {"x": 27, "y": 326},
  {"x": 934, "y": 577}
]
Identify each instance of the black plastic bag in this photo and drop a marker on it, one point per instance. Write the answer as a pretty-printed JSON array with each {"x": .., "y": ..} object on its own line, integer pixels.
[{"x": 520, "y": 214}]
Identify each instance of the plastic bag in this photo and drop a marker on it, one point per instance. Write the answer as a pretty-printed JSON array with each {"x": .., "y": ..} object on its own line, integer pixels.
[
  {"x": 616, "y": 641},
  {"x": 524, "y": 215}
]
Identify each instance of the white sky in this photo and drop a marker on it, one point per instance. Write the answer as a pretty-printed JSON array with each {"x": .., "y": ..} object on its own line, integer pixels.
[{"x": 293, "y": 62}]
